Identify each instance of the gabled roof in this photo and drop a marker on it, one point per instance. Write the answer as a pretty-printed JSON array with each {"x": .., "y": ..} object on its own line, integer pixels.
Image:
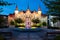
[{"x": 11, "y": 15}]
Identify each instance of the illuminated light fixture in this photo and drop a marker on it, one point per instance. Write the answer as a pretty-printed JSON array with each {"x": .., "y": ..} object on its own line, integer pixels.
[
  {"x": 39, "y": 12},
  {"x": 16, "y": 11}
]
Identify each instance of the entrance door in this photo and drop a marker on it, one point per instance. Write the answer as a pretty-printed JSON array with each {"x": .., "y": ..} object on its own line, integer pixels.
[{"x": 28, "y": 23}]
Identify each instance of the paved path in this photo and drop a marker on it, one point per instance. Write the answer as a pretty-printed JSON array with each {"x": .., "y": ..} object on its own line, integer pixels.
[
  {"x": 40, "y": 34},
  {"x": 31, "y": 34}
]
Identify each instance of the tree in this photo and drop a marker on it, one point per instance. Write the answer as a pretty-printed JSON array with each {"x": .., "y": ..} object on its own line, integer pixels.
[
  {"x": 54, "y": 20},
  {"x": 4, "y": 3},
  {"x": 18, "y": 20},
  {"x": 1, "y": 21},
  {"x": 53, "y": 6},
  {"x": 1, "y": 9},
  {"x": 36, "y": 21}
]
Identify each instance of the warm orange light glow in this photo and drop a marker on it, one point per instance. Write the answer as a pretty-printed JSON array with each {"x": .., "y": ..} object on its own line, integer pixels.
[{"x": 27, "y": 14}]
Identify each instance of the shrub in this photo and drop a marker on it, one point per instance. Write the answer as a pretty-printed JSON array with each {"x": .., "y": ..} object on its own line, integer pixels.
[
  {"x": 44, "y": 24},
  {"x": 1, "y": 37},
  {"x": 22, "y": 25},
  {"x": 57, "y": 37},
  {"x": 35, "y": 25},
  {"x": 19, "y": 25},
  {"x": 19, "y": 20},
  {"x": 36, "y": 21},
  {"x": 39, "y": 25},
  {"x": 54, "y": 20},
  {"x": 12, "y": 23}
]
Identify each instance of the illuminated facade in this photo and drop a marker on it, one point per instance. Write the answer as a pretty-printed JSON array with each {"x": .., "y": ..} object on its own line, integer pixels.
[{"x": 24, "y": 15}]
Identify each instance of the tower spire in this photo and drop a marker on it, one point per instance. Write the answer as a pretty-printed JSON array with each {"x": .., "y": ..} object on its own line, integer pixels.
[
  {"x": 39, "y": 8},
  {"x": 28, "y": 5},
  {"x": 16, "y": 7},
  {"x": 16, "y": 10}
]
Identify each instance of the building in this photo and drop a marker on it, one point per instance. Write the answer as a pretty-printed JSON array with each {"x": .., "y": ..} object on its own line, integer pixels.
[{"x": 27, "y": 15}]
